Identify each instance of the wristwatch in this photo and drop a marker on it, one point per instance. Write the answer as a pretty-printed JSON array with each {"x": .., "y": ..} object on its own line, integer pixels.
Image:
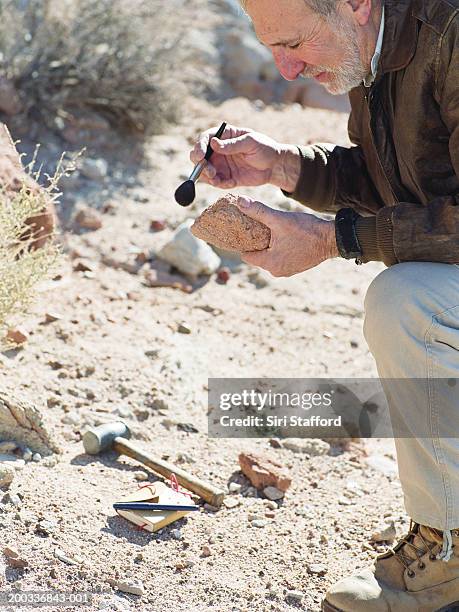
[{"x": 346, "y": 236}]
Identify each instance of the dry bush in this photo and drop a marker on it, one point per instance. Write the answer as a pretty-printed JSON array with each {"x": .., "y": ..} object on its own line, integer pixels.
[
  {"x": 110, "y": 56},
  {"x": 23, "y": 267}
]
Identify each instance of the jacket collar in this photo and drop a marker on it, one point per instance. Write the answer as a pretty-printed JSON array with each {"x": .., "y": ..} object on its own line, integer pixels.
[{"x": 400, "y": 35}]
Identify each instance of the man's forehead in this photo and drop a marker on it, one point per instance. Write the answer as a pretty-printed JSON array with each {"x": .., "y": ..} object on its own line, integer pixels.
[{"x": 277, "y": 23}]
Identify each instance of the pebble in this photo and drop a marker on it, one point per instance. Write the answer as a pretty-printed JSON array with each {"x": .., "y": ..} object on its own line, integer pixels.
[
  {"x": 141, "y": 476},
  {"x": 52, "y": 317},
  {"x": 312, "y": 447},
  {"x": 183, "y": 329},
  {"x": 206, "y": 551},
  {"x": 273, "y": 494},
  {"x": 385, "y": 533},
  {"x": 17, "y": 335},
  {"x": 13, "y": 559},
  {"x": 317, "y": 569},
  {"x": 94, "y": 169},
  {"x": 36, "y": 457},
  {"x": 134, "y": 587},
  {"x": 59, "y": 554},
  {"x": 6, "y": 475},
  {"x": 295, "y": 595},
  {"x": 27, "y": 454},
  {"x": 88, "y": 218},
  {"x": 176, "y": 534},
  {"x": 270, "y": 514},
  {"x": 271, "y": 505},
  {"x": 12, "y": 498},
  {"x": 45, "y": 527},
  {"x": 234, "y": 487},
  {"x": 158, "y": 225},
  {"x": 223, "y": 275},
  {"x": 231, "y": 502},
  {"x": 259, "y": 523}
]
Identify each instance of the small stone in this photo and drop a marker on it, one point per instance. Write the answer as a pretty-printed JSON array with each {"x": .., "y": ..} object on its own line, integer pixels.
[
  {"x": 83, "y": 265},
  {"x": 6, "y": 475},
  {"x": 354, "y": 344},
  {"x": 94, "y": 169},
  {"x": 89, "y": 219},
  {"x": 206, "y": 551},
  {"x": 17, "y": 335},
  {"x": 223, "y": 275},
  {"x": 52, "y": 317},
  {"x": 250, "y": 492},
  {"x": 183, "y": 329},
  {"x": 45, "y": 527},
  {"x": 231, "y": 502},
  {"x": 13, "y": 559},
  {"x": 141, "y": 476},
  {"x": 317, "y": 569},
  {"x": 12, "y": 498},
  {"x": 310, "y": 446},
  {"x": 259, "y": 523},
  {"x": 271, "y": 505},
  {"x": 134, "y": 587},
  {"x": 234, "y": 487},
  {"x": 342, "y": 501},
  {"x": 36, "y": 457},
  {"x": 273, "y": 494},
  {"x": 386, "y": 533},
  {"x": 176, "y": 534},
  {"x": 59, "y": 554},
  {"x": 157, "y": 225},
  {"x": 263, "y": 471},
  {"x": 270, "y": 514},
  {"x": 27, "y": 454},
  {"x": 295, "y": 595},
  {"x": 210, "y": 508}
]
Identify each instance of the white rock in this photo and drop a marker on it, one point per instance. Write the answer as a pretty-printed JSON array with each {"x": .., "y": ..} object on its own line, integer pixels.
[
  {"x": 259, "y": 523},
  {"x": 309, "y": 446},
  {"x": 234, "y": 487},
  {"x": 189, "y": 254},
  {"x": 27, "y": 454},
  {"x": 94, "y": 169},
  {"x": 134, "y": 587},
  {"x": 140, "y": 476},
  {"x": 231, "y": 502},
  {"x": 386, "y": 533},
  {"x": 36, "y": 457}
]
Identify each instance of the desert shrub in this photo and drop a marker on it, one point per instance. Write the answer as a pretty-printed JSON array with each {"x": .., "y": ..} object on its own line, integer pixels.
[
  {"x": 23, "y": 267},
  {"x": 110, "y": 56}
]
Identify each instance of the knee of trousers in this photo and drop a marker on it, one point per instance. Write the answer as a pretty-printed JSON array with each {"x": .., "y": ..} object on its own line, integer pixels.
[{"x": 396, "y": 309}]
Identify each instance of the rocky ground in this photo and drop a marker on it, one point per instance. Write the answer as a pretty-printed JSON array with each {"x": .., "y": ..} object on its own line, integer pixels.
[{"x": 112, "y": 346}]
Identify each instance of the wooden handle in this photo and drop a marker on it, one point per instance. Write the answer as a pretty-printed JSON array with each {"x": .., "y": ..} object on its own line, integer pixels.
[{"x": 212, "y": 495}]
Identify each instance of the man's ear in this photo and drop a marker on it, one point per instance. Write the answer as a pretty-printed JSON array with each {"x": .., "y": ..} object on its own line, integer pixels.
[{"x": 361, "y": 10}]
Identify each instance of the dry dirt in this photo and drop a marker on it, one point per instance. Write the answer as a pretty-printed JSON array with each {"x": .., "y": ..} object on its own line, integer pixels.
[{"x": 116, "y": 352}]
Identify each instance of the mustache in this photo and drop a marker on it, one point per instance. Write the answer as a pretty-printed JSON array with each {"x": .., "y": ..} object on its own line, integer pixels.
[{"x": 309, "y": 73}]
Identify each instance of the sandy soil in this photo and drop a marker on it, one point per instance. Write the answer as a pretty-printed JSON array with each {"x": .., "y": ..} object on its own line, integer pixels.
[{"x": 116, "y": 352}]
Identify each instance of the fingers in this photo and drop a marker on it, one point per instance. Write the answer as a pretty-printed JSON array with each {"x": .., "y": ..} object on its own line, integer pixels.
[
  {"x": 200, "y": 148},
  {"x": 257, "y": 210},
  {"x": 232, "y": 146}
]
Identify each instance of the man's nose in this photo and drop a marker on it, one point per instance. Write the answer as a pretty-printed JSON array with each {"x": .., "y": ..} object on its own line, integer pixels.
[{"x": 289, "y": 67}]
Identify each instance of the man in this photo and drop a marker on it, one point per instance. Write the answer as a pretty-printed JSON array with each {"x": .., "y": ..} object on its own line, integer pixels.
[{"x": 396, "y": 199}]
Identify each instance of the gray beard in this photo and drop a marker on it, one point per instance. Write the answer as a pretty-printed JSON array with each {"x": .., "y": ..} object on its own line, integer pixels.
[{"x": 351, "y": 72}]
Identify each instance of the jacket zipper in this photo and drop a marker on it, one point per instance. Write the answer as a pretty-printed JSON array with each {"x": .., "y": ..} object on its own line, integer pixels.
[{"x": 368, "y": 98}]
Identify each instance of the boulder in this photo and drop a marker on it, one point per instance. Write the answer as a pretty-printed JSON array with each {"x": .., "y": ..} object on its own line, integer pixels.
[{"x": 226, "y": 227}]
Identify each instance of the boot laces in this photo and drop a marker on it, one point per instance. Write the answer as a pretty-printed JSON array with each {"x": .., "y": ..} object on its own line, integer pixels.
[{"x": 407, "y": 540}]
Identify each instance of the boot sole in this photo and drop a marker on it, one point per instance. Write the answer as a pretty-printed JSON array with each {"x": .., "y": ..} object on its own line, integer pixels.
[{"x": 452, "y": 607}]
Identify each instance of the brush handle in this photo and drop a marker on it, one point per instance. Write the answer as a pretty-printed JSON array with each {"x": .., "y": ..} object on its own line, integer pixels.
[
  {"x": 219, "y": 133},
  {"x": 148, "y": 506}
]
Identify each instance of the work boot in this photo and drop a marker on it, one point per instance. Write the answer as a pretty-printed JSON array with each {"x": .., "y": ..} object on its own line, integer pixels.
[{"x": 420, "y": 574}]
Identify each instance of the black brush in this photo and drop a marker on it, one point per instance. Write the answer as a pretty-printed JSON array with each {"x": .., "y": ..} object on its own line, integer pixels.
[{"x": 186, "y": 193}]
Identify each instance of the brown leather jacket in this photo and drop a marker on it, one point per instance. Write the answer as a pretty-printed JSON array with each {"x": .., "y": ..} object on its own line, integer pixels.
[{"x": 403, "y": 174}]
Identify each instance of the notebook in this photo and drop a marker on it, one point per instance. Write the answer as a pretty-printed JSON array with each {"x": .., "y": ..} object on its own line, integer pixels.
[{"x": 158, "y": 493}]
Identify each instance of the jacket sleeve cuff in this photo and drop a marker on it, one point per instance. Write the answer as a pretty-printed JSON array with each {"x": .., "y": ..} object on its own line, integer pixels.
[
  {"x": 375, "y": 235},
  {"x": 316, "y": 184}
]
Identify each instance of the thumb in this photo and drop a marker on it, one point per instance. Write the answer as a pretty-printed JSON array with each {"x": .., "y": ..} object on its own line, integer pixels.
[
  {"x": 256, "y": 210},
  {"x": 231, "y": 146}
]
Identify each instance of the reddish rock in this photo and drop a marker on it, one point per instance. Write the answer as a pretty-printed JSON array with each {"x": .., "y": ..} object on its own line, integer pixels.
[
  {"x": 89, "y": 219},
  {"x": 17, "y": 335},
  {"x": 158, "y": 225},
  {"x": 223, "y": 275},
  {"x": 84, "y": 265},
  {"x": 263, "y": 471},
  {"x": 226, "y": 227},
  {"x": 157, "y": 278}
]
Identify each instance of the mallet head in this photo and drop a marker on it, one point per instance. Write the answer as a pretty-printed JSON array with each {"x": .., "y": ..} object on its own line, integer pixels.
[{"x": 100, "y": 438}]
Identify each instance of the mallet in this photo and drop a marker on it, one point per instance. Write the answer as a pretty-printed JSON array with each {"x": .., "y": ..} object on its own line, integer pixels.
[{"x": 114, "y": 435}]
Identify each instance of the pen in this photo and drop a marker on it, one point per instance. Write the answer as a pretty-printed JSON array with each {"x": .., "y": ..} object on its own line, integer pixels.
[{"x": 149, "y": 506}]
